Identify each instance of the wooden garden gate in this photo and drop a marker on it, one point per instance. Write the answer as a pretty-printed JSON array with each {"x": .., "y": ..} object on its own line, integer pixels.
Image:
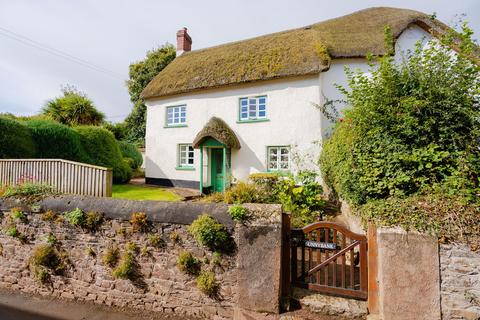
[{"x": 328, "y": 258}]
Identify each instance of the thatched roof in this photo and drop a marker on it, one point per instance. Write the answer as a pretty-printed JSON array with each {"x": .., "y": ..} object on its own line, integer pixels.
[
  {"x": 294, "y": 52},
  {"x": 217, "y": 128}
]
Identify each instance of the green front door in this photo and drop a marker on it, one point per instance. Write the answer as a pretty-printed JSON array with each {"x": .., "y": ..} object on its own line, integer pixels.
[{"x": 217, "y": 169}]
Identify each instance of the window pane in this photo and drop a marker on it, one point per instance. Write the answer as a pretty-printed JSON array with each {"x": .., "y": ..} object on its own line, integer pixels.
[
  {"x": 243, "y": 102},
  {"x": 261, "y": 100},
  {"x": 261, "y": 114}
]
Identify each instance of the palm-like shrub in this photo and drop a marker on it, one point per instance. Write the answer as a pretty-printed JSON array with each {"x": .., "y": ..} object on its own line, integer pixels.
[{"x": 73, "y": 108}]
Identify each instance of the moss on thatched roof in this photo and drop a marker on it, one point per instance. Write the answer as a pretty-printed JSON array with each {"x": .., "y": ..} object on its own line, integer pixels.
[
  {"x": 294, "y": 52},
  {"x": 217, "y": 128}
]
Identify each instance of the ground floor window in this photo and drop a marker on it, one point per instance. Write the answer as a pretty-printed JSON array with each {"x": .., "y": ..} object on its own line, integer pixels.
[
  {"x": 185, "y": 155},
  {"x": 278, "y": 158}
]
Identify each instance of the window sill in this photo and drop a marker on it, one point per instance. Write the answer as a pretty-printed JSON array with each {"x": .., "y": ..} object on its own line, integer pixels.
[
  {"x": 185, "y": 168},
  {"x": 176, "y": 126},
  {"x": 252, "y": 121}
]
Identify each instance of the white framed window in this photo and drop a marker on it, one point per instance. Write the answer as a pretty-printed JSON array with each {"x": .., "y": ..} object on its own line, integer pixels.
[
  {"x": 176, "y": 115},
  {"x": 185, "y": 155},
  {"x": 278, "y": 158},
  {"x": 253, "y": 108}
]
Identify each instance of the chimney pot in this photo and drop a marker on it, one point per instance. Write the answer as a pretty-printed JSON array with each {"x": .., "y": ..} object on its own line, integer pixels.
[{"x": 184, "y": 42}]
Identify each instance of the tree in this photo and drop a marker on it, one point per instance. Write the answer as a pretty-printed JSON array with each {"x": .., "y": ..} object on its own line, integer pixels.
[
  {"x": 140, "y": 74},
  {"x": 411, "y": 126},
  {"x": 73, "y": 108}
]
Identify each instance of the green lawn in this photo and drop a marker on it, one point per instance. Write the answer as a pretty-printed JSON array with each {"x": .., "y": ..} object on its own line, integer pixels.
[{"x": 140, "y": 192}]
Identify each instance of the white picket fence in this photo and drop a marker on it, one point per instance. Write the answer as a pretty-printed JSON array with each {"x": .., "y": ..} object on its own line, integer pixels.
[{"x": 63, "y": 175}]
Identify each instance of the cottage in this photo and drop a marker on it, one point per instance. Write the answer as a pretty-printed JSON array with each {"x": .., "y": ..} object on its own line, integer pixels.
[{"x": 218, "y": 114}]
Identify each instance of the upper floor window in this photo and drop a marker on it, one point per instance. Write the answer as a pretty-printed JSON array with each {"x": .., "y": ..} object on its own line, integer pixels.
[
  {"x": 253, "y": 108},
  {"x": 278, "y": 158},
  {"x": 176, "y": 115}
]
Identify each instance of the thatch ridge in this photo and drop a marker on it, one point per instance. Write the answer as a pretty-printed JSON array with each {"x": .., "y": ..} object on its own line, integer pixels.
[
  {"x": 296, "y": 52},
  {"x": 219, "y": 130}
]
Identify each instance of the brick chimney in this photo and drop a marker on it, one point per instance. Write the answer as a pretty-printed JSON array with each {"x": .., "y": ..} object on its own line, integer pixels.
[{"x": 184, "y": 42}]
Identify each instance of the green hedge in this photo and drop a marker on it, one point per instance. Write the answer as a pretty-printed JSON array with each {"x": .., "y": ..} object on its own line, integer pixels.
[
  {"x": 103, "y": 150},
  {"x": 129, "y": 150},
  {"x": 15, "y": 140},
  {"x": 55, "y": 140}
]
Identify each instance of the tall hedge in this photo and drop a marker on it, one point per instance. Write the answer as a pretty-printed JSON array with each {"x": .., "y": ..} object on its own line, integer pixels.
[
  {"x": 55, "y": 140},
  {"x": 103, "y": 150},
  {"x": 15, "y": 140},
  {"x": 129, "y": 150}
]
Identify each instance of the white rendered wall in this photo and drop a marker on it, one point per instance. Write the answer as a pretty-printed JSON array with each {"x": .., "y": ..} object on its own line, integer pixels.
[{"x": 294, "y": 121}]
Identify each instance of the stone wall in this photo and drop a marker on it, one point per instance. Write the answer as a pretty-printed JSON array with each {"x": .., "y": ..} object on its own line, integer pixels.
[
  {"x": 161, "y": 286},
  {"x": 460, "y": 282}
]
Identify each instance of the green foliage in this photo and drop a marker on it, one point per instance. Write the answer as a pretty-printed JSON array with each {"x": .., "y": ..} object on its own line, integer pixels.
[
  {"x": 410, "y": 125},
  {"x": 55, "y": 140},
  {"x": 51, "y": 239},
  {"x": 110, "y": 256},
  {"x": 156, "y": 241},
  {"x": 140, "y": 74},
  {"x": 209, "y": 232},
  {"x": 76, "y": 217},
  {"x": 187, "y": 263},
  {"x": 127, "y": 266},
  {"x": 12, "y": 232},
  {"x": 73, "y": 108},
  {"x": 129, "y": 150},
  {"x": 89, "y": 221},
  {"x": 242, "y": 192},
  {"x": 450, "y": 217},
  {"x": 28, "y": 190},
  {"x": 208, "y": 284},
  {"x": 103, "y": 150},
  {"x": 49, "y": 215},
  {"x": 265, "y": 184},
  {"x": 215, "y": 197},
  {"x": 16, "y": 140},
  {"x": 119, "y": 130},
  {"x": 18, "y": 214},
  {"x": 90, "y": 252},
  {"x": 139, "y": 221},
  {"x": 46, "y": 255},
  {"x": 238, "y": 212},
  {"x": 217, "y": 258},
  {"x": 302, "y": 197}
]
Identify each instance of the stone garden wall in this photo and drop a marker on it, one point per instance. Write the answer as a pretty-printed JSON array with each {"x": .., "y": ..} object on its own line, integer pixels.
[
  {"x": 460, "y": 282},
  {"x": 249, "y": 278}
]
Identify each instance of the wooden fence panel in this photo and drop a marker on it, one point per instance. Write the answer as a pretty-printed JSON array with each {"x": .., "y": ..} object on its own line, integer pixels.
[{"x": 62, "y": 175}]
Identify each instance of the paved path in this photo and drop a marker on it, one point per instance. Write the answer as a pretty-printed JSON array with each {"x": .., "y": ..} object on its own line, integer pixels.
[{"x": 18, "y": 306}]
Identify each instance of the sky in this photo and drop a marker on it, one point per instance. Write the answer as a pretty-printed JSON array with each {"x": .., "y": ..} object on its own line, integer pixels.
[{"x": 90, "y": 43}]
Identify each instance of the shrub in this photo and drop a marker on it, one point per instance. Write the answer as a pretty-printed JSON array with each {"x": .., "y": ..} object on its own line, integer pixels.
[
  {"x": 187, "y": 263},
  {"x": 174, "y": 236},
  {"x": 238, "y": 212},
  {"x": 93, "y": 220},
  {"x": 46, "y": 255},
  {"x": 126, "y": 268},
  {"x": 209, "y": 232},
  {"x": 155, "y": 240},
  {"x": 28, "y": 190},
  {"x": 49, "y": 216},
  {"x": 55, "y": 140},
  {"x": 242, "y": 192},
  {"x": 89, "y": 221},
  {"x": 265, "y": 184},
  {"x": 302, "y": 197},
  {"x": 215, "y": 197},
  {"x": 16, "y": 140},
  {"x": 76, "y": 217},
  {"x": 139, "y": 221},
  {"x": 207, "y": 283},
  {"x": 103, "y": 150},
  {"x": 217, "y": 258},
  {"x": 90, "y": 252},
  {"x": 12, "y": 232},
  {"x": 51, "y": 239},
  {"x": 110, "y": 256},
  {"x": 18, "y": 214},
  {"x": 129, "y": 150},
  {"x": 411, "y": 124}
]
